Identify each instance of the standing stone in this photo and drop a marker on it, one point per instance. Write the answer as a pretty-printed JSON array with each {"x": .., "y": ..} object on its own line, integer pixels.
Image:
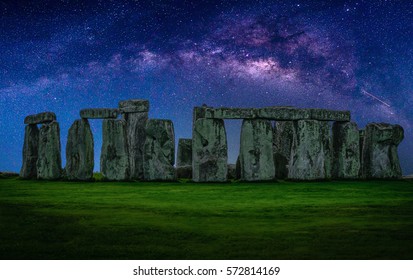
[
  {"x": 238, "y": 169},
  {"x": 49, "y": 162},
  {"x": 79, "y": 151},
  {"x": 30, "y": 152},
  {"x": 232, "y": 171},
  {"x": 135, "y": 113},
  {"x": 209, "y": 151},
  {"x": 159, "y": 151},
  {"x": 380, "y": 158},
  {"x": 283, "y": 139},
  {"x": 199, "y": 113},
  {"x": 311, "y": 151},
  {"x": 346, "y": 150},
  {"x": 114, "y": 161},
  {"x": 184, "y": 157},
  {"x": 256, "y": 151}
]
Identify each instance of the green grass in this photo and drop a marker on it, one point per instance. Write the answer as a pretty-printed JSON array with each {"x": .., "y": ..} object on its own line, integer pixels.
[{"x": 284, "y": 220}]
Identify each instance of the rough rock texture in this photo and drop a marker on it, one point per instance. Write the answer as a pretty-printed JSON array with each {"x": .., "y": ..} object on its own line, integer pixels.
[
  {"x": 184, "y": 157},
  {"x": 114, "y": 161},
  {"x": 209, "y": 151},
  {"x": 79, "y": 151},
  {"x": 159, "y": 151},
  {"x": 330, "y": 115},
  {"x": 379, "y": 158},
  {"x": 99, "y": 113},
  {"x": 238, "y": 169},
  {"x": 136, "y": 116},
  {"x": 30, "y": 152},
  {"x": 49, "y": 162},
  {"x": 256, "y": 151},
  {"x": 230, "y": 113},
  {"x": 134, "y": 106},
  {"x": 346, "y": 150},
  {"x": 44, "y": 117},
  {"x": 283, "y": 138},
  {"x": 311, "y": 151},
  {"x": 199, "y": 113},
  {"x": 184, "y": 172},
  {"x": 283, "y": 113},
  {"x": 232, "y": 173}
]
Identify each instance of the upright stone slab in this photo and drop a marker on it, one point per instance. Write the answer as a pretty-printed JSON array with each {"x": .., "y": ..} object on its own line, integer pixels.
[
  {"x": 346, "y": 150},
  {"x": 311, "y": 151},
  {"x": 200, "y": 113},
  {"x": 114, "y": 160},
  {"x": 79, "y": 151},
  {"x": 283, "y": 139},
  {"x": 184, "y": 157},
  {"x": 209, "y": 151},
  {"x": 30, "y": 152},
  {"x": 49, "y": 162},
  {"x": 135, "y": 113},
  {"x": 380, "y": 158},
  {"x": 256, "y": 151},
  {"x": 159, "y": 151}
]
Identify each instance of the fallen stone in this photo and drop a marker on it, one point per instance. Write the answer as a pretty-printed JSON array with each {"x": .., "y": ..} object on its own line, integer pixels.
[
  {"x": 114, "y": 161},
  {"x": 346, "y": 150},
  {"x": 184, "y": 157},
  {"x": 283, "y": 113},
  {"x": 379, "y": 157},
  {"x": 311, "y": 151},
  {"x": 330, "y": 115},
  {"x": 79, "y": 151},
  {"x": 283, "y": 138},
  {"x": 230, "y": 113},
  {"x": 136, "y": 122},
  {"x": 49, "y": 161},
  {"x": 30, "y": 152},
  {"x": 99, "y": 113},
  {"x": 256, "y": 151},
  {"x": 209, "y": 151},
  {"x": 40, "y": 118},
  {"x": 159, "y": 151},
  {"x": 134, "y": 106},
  {"x": 184, "y": 172}
]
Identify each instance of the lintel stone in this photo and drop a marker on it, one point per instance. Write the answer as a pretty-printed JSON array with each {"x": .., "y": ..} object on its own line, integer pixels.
[
  {"x": 99, "y": 113},
  {"x": 45, "y": 117},
  {"x": 134, "y": 106}
]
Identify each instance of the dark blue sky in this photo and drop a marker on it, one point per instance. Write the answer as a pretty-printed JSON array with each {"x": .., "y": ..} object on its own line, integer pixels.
[{"x": 63, "y": 56}]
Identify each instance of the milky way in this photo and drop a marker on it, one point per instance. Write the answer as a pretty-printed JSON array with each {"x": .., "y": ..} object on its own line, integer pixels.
[{"x": 63, "y": 56}]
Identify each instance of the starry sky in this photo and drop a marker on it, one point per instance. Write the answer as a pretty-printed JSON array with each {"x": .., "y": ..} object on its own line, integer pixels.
[{"x": 63, "y": 56}]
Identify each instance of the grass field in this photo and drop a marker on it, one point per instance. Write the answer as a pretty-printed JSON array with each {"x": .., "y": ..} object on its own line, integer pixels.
[{"x": 284, "y": 220}]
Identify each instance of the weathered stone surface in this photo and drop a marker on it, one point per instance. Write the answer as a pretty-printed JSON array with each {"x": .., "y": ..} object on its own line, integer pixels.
[
  {"x": 99, "y": 113},
  {"x": 330, "y": 115},
  {"x": 159, "y": 151},
  {"x": 44, "y": 117},
  {"x": 199, "y": 113},
  {"x": 184, "y": 157},
  {"x": 230, "y": 113},
  {"x": 134, "y": 106},
  {"x": 114, "y": 161},
  {"x": 184, "y": 172},
  {"x": 311, "y": 151},
  {"x": 380, "y": 158},
  {"x": 238, "y": 169},
  {"x": 283, "y": 138},
  {"x": 209, "y": 151},
  {"x": 30, "y": 152},
  {"x": 49, "y": 162},
  {"x": 256, "y": 151},
  {"x": 135, "y": 127},
  {"x": 232, "y": 173},
  {"x": 346, "y": 150},
  {"x": 79, "y": 151},
  {"x": 283, "y": 113}
]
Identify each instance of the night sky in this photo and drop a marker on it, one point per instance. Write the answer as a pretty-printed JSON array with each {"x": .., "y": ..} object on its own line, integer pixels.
[{"x": 63, "y": 56}]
